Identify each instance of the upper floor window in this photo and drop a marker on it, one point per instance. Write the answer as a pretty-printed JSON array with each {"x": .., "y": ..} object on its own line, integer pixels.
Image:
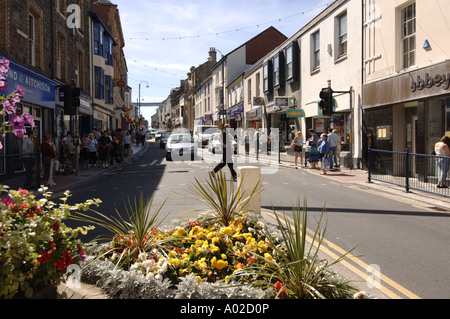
[
  {"x": 31, "y": 40},
  {"x": 276, "y": 71},
  {"x": 408, "y": 36},
  {"x": 108, "y": 50},
  {"x": 267, "y": 77},
  {"x": 315, "y": 50},
  {"x": 342, "y": 36},
  {"x": 292, "y": 61},
  {"x": 99, "y": 83},
  {"x": 98, "y": 39}
]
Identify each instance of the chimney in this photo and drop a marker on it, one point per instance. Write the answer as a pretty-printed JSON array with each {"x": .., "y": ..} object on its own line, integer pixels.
[{"x": 212, "y": 55}]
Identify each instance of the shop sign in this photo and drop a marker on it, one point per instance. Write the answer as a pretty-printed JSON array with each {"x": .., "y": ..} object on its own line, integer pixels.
[
  {"x": 38, "y": 89},
  {"x": 293, "y": 113},
  {"x": 281, "y": 102},
  {"x": 258, "y": 101},
  {"x": 238, "y": 117},
  {"x": 429, "y": 81},
  {"x": 254, "y": 113}
]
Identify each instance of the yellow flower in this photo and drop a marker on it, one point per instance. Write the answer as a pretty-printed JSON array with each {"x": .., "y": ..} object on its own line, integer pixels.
[
  {"x": 268, "y": 256},
  {"x": 219, "y": 264},
  {"x": 175, "y": 262},
  {"x": 226, "y": 230},
  {"x": 181, "y": 231},
  {"x": 223, "y": 256},
  {"x": 172, "y": 253},
  {"x": 215, "y": 240},
  {"x": 199, "y": 280}
]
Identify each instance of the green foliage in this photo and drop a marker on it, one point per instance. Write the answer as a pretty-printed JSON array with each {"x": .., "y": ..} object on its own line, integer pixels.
[
  {"x": 134, "y": 232},
  {"x": 224, "y": 201},
  {"x": 36, "y": 247},
  {"x": 297, "y": 271}
]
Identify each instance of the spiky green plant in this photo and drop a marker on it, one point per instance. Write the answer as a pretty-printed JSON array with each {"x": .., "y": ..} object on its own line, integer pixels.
[
  {"x": 296, "y": 267},
  {"x": 133, "y": 233},
  {"x": 224, "y": 201}
]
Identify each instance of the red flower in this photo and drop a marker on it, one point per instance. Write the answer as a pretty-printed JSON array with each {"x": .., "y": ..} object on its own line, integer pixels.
[
  {"x": 281, "y": 290},
  {"x": 23, "y": 192}
]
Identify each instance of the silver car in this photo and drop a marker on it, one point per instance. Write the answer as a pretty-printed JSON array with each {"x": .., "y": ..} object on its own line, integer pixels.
[
  {"x": 180, "y": 146},
  {"x": 214, "y": 145}
]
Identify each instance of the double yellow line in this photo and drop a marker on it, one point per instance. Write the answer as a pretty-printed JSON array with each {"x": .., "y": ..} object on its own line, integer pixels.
[{"x": 383, "y": 281}]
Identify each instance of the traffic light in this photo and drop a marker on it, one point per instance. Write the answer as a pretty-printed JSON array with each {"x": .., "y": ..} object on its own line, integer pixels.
[
  {"x": 71, "y": 99},
  {"x": 326, "y": 101}
]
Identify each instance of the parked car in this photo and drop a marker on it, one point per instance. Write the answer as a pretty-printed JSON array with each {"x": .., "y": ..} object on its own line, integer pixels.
[
  {"x": 179, "y": 145},
  {"x": 159, "y": 134},
  {"x": 214, "y": 145},
  {"x": 202, "y": 133},
  {"x": 163, "y": 139}
]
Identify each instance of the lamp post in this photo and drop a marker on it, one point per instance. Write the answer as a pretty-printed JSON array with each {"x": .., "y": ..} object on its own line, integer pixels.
[{"x": 139, "y": 111}]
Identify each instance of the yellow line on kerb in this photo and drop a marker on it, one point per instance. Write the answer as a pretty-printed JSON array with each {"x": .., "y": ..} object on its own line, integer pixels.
[{"x": 355, "y": 270}]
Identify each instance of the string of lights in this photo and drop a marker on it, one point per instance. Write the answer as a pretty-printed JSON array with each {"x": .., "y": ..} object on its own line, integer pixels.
[
  {"x": 155, "y": 68},
  {"x": 227, "y": 31}
]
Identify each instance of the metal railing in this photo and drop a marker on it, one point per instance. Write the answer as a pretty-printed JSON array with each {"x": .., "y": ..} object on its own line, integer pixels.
[
  {"x": 409, "y": 170},
  {"x": 13, "y": 170}
]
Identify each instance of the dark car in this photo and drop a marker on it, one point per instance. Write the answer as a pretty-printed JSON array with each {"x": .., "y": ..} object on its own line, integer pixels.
[{"x": 163, "y": 139}]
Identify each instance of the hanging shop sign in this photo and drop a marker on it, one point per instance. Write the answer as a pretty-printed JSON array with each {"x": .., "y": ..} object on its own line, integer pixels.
[{"x": 294, "y": 113}]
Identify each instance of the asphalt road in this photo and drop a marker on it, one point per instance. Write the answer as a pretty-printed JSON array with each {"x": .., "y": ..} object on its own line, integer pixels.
[{"x": 404, "y": 248}]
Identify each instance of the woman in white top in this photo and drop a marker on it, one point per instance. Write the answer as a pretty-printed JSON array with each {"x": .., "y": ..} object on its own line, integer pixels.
[
  {"x": 442, "y": 149},
  {"x": 297, "y": 144}
]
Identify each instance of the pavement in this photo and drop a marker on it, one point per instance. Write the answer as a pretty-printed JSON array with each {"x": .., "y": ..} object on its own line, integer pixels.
[{"x": 354, "y": 178}]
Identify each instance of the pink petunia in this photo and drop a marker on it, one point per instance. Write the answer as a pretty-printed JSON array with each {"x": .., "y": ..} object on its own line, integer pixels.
[
  {"x": 18, "y": 125},
  {"x": 20, "y": 92},
  {"x": 28, "y": 119},
  {"x": 4, "y": 65},
  {"x": 9, "y": 108},
  {"x": 2, "y": 83}
]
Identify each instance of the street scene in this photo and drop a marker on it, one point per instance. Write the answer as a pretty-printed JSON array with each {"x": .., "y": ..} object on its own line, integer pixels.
[{"x": 199, "y": 151}]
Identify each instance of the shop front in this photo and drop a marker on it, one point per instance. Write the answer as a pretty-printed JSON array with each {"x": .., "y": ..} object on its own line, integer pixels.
[
  {"x": 39, "y": 101},
  {"x": 410, "y": 111},
  {"x": 235, "y": 116},
  {"x": 277, "y": 118},
  {"x": 253, "y": 118}
]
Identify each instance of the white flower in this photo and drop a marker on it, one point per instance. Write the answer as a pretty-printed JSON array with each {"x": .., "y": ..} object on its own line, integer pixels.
[
  {"x": 158, "y": 277},
  {"x": 142, "y": 256},
  {"x": 150, "y": 276},
  {"x": 148, "y": 264}
]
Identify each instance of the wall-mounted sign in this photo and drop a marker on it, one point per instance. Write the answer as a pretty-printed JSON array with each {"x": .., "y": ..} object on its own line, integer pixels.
[
  {"x": 429, "y": 81},
  {"x": 281, "y": 102},
  {"x": 258, "y": 101},
  {"x": 293, "y": 113}
]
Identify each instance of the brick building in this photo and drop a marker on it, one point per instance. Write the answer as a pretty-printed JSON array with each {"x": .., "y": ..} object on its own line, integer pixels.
[{"x": 46, "y": 54}]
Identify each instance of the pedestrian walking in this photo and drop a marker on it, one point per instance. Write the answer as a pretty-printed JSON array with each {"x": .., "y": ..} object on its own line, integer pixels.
[
  {"x": 104, "y": 146},
  {"x": 227, "y": 152},
  {"x": 93, "y": 149},
  {"x": 332, "y": 148},
  {"x": 323, "y": 151},
  {"x": 297, "y": 144},
  {"x": 48, "y": 153},
  {"x": 127, "y": 144},
  {"x": 53, "y": 164},
  {"x": 84, "y": 153},
  {"x": 442, "y": 149},
  {"x": 313, "y": 150},
  {"x": 28, "y": 148}
]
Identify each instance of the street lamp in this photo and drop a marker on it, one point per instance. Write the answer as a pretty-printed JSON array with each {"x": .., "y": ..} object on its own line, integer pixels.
[
  {"x": 139, "y": 112},
  {"x": 222, "y": 98}
]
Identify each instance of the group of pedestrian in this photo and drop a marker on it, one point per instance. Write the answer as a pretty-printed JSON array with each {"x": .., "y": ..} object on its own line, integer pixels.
[{"x": 323, "y": 149}]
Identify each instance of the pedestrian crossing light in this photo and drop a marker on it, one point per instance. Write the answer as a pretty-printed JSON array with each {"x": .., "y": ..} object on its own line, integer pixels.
[{"x": 326, "y": 101}]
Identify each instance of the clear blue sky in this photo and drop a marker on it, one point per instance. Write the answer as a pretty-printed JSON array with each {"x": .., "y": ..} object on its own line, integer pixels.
[{"x": 163, "y": 39}]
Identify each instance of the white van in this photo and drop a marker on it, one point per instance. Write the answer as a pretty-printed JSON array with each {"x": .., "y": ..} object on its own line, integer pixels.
[{"x": 202, "y": 133}]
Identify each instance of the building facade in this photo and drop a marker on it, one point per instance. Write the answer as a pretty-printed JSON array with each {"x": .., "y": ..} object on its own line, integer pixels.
[
  {"x": 47, "y": 43},
  {"x": 406, "y": 68}
]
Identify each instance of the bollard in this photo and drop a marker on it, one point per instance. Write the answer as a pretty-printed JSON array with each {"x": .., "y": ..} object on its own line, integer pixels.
[{"x": 248, "y": 177}]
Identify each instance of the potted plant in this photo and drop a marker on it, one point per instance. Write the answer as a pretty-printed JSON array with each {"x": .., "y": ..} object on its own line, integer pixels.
[{"x": 36, "y": 247}]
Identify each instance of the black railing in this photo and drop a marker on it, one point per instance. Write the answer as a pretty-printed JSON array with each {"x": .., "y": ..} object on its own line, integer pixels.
[
  {"x": 20, "y": 170},
  {"x": 408, "y": 170}
]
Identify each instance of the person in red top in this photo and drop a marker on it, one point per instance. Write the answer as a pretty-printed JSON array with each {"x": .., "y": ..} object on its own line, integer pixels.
[{"x": 48, "y": 153}]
